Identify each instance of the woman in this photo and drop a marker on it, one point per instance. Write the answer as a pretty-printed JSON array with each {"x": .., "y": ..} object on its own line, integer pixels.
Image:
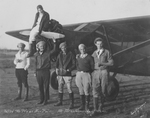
[
  {"x": 22, "y": 64},
  {"x": 40, "y": 27}
]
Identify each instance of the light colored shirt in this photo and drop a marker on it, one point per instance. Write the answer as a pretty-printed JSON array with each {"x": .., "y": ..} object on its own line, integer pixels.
[
  {"x": 83, "y": 55},
  {"x": 23, "y": 62},
  {"x": 39, "y": 19},
  {"x": 104, "y": 57},
  {"x": 99, "y": 52}
]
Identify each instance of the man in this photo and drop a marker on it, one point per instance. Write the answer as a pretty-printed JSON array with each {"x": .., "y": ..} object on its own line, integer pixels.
[
  {"x": 40, "y": 27},
  {"x": 85, "y": 66},
  {"x": 22, "y": 64},
  {"x": 103, "y": 60},
  {"x": 43, "y": 65},
  {"x": 64, "y": 65}
]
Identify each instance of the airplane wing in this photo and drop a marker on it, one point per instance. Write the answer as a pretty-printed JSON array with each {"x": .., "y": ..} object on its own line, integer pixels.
[
  {"x": 126, "y": 29},
  {"x": 21, "y": 34}
]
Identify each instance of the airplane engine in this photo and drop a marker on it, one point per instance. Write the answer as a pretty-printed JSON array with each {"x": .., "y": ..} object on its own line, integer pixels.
[{"x": 53, "y": 37}]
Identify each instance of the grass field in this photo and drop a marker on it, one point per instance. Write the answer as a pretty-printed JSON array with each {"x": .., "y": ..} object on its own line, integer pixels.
[{"x": 133, "y": 100}]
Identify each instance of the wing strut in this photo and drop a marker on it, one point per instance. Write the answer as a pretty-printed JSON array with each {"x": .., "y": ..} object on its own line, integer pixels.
[
  {"x": 108, "y": 42},
  {"x": 135, "y": 47},
  {"x": 80, "y": 27}
]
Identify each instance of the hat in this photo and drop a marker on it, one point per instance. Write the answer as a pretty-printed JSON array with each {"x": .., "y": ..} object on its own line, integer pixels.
[
  {"x": 53, "y": 80},
  {"x": 21, "y": 45},
  {"x": 63, "y": 45},
  {"x": 98, "y": 39},
  {"x": 39, "y": 7},
  {"x": 112, "y": 89},
  {"x": 81, "y": 45},
  {"x": 40, "y": 43}
]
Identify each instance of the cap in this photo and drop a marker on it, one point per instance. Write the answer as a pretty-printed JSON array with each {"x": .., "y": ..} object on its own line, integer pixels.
[
  {"x": 40, "y": 43},
  {"x": 81, "y": 45},
  {"x": 21, "y": 45},
  {"x": 98, "y": 39},
  {"x": 63, "y": 45}
]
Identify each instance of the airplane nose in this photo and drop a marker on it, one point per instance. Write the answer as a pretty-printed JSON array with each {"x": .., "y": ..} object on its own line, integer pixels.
[
  {"x": 26, "y": 32},
  {"x": 52, "y": 35},
  {"x": 61, "y": 35}
]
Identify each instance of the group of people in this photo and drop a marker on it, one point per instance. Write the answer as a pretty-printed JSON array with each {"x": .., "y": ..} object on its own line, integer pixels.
[{"x": 92, "y": 70}]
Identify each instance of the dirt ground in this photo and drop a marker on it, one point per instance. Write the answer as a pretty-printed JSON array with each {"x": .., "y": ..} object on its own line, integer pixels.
[{"x": 133, "y": 100}]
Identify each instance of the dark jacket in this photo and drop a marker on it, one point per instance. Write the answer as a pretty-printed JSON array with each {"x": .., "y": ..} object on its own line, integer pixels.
[
  {"x": 44, "y": 24},
  {"x": 43, "y": 61},
  {"x": 65, "y": 62}
]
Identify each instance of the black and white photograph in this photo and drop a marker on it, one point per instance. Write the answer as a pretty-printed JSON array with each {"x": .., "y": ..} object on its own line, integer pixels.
[{"x": 74, "y": 58}]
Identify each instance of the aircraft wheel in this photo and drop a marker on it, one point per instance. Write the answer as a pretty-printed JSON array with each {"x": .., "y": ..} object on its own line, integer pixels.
[
  {"x": 112, "y": 89},
  {"x": 53, "y": 80}
]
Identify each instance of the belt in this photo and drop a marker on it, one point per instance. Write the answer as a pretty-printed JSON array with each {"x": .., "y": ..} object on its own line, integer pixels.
[
  {"x": 83, "y": 72},
  {"x": 100, "y": 69},
  {"x": 42, "y": 69}
]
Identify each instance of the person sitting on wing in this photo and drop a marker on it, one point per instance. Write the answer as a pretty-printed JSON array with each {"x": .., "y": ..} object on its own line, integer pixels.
[{"x": 40, "y": 27}]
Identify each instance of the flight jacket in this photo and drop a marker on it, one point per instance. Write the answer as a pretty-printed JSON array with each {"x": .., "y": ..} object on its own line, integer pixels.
[
  {"x": 66, "y": 63},
  {"x": 44, "y": 24}
]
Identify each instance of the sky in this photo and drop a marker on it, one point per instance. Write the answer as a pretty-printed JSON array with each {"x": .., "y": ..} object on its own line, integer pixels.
[{"x": 20, "y": 14}]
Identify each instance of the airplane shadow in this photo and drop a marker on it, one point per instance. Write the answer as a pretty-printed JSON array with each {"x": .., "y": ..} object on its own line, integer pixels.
[{"x": 131, "y": 95}]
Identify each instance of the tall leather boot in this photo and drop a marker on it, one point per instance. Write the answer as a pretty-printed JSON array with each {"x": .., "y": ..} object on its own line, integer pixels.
[
  {"x": 87, "y": 99},
  {"x": 101, "y": 104},
  {"x": 48, "y": 96},
  {"x": 71, "y": 96},
  {"x": 95, "y": 104},
  {"x": 82, "y": 99},
  {"x": 45, "y": 102},
  {"x": 32, "y": 48},
  {"x": 26, "y": 94},
  {"x": 60, "y": 98},
  {"x": 19, "y": 94}
]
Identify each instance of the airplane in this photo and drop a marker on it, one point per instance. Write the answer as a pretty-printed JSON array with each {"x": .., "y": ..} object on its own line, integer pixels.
[{"x": 128, "y": 39}]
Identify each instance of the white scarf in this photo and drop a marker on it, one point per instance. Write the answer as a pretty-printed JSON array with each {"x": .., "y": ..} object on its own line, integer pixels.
[
  {"x": 99, "y": 52},
  {"x": 83, "y": 55}
]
